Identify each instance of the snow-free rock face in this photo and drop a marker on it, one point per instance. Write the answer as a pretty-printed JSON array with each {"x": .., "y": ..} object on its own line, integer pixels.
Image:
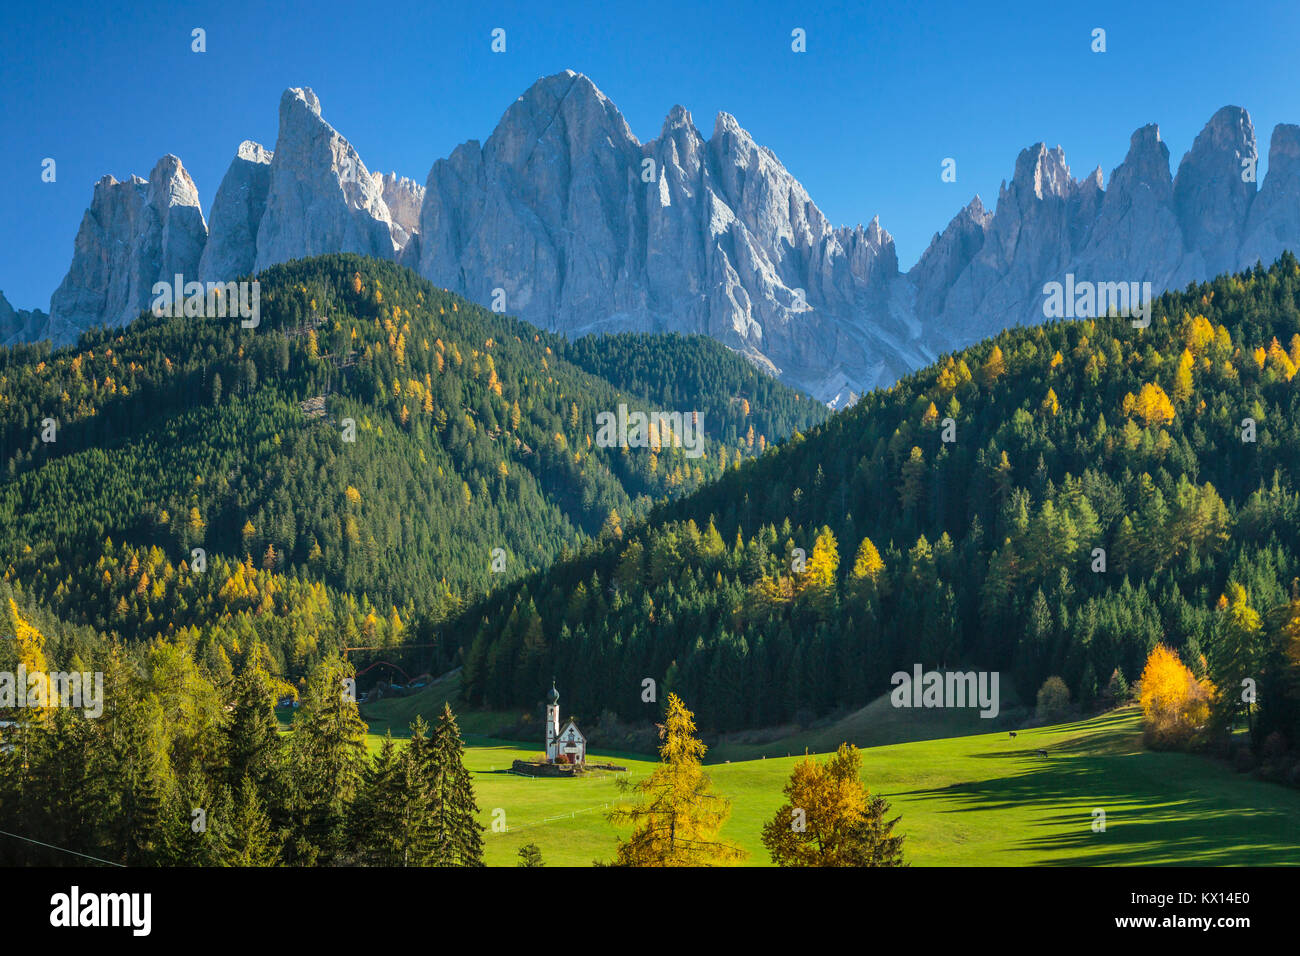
[
  {"x": 1133, "y": 236},
  {"x": 578, "y": 226},
  {"x": 541, "y": 211},
  {"x": 1146, "y": 226},
  {"x": 236, "y": 215},
  {"x": 1031, "y": 235},
  {"x": 135, "y": 233},
  {"x": 585, "y": 229},
  {"x": 948, "y": 255},
  {"x": 403, "y": 197},
  {"x": 1274, "y": 220},
  {"x": 20, "y": 325},
  {"x": 717, "y": 237},
  {"x": 1212, "y": 196},
  {"x": 321, "y": 197},
  {"x": 313, "y": 195}
]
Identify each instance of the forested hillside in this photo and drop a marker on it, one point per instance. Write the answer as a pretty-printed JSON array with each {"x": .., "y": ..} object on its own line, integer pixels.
[
  {"x": 1105, "y": 488},
  {"x": 472, "y": 432},
  {"x": 1053, "y": 502},
  {"x": 183, "y": 515},
  {"x": 740, "y": 403}
]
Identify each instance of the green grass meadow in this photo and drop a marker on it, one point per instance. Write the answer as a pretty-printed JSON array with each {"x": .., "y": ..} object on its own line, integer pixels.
[{"x": 972, "y": 799}]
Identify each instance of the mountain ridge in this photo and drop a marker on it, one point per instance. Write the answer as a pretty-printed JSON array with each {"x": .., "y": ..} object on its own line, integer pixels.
[{"x": 580, "y": 227}]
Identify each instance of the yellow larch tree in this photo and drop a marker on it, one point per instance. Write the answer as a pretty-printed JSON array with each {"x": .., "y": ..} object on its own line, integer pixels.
[
  {"x": 830, "y": 819},
  {"x": 993, "y": 368},
  {"x": 676, "y": 816}
]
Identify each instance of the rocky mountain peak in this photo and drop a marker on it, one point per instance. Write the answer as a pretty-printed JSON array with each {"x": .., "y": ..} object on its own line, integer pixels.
[
  {"x": 554, "y": 209},
  {"x": 296, "y": 102},
  {"x": 1147, "y": 160},
  {"x": 566, "y": 106},
  {"x": 173, "y": 185},
  {"x": 1211, "y": 195},
  {"x": 1273, "y": 223},
  {"x": 252, "y": 152},
  {"x": 236, "y": 215},
  {"x": 678, "y": 117},
  {"x": 20, "y": 325},
  {"x": 1284, "y": 152},
  {"x": 1041, "y": 173},
  {"x": 134, "y": 234},
  {"x": 321, "y": 197}
]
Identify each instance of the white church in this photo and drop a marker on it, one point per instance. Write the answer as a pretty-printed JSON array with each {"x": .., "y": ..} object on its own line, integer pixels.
[{"x": 563, "y": 744}]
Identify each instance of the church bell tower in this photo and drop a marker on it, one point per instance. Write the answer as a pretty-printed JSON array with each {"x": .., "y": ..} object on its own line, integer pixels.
[{"x": 552, "y": 722}]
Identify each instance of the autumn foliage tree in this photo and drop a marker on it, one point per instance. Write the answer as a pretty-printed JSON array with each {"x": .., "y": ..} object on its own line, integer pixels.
[
  {"x": 1151, "y": 404},
  {"x": 676, "y": 817},
  {"x": 831, "y": 819},
  {"x": 1175, "y": 704}
]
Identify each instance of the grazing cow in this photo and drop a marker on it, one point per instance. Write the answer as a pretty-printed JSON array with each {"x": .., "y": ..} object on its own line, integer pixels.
[
  {"x": 1042, "y": 753},
  {"x": 1013, "y": 733}
]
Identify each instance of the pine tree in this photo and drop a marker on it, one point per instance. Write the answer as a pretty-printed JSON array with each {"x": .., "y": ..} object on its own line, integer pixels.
[
  {"x": 411, "y": 799},
  {"x": 530, "y": 855},
  {"x": 456, "y": 836},
  {"x": 192, "y": 811},
  {"x": 1117, "y": 687},
  {"x": 143, "y": 789},
  {"x": 250, "y": 839},
  {"x": 374, "y": 816},
  {"x": 253, "y": 734},
  {"x": 1236, "y": 654},
  {"x": 326, "y": 750}
]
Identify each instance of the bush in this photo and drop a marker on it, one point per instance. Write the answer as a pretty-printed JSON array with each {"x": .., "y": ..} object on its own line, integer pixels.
[{"x": 1053, "y": 699}]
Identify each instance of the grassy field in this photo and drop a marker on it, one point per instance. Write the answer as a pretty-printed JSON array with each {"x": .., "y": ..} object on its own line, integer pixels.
[
  {"x": 874, "y": 725},
  {"x": 978, "y": 799}
]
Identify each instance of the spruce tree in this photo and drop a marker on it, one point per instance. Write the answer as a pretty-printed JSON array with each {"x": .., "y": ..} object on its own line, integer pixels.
[
  {"x": 327, "y": 753},
  {"x": 530, "y": 855},
  {"x": 373, "y": 820},
  {"x": 191, "y": 838},
  {"x": 143, "y": 790},
  {"x": 411, "y": 798},
  {"x": 253, "y": 734},
  {"x": 250, "y": 839},
  {"x": 456, "y": 836}
]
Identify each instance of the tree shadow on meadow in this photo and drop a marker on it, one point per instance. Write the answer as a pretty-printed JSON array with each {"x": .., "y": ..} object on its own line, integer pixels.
[{"x": 1144, "y": 825}]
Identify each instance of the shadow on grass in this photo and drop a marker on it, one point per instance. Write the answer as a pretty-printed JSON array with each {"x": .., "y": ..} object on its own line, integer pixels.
[{"x": 1153, "y": 816}]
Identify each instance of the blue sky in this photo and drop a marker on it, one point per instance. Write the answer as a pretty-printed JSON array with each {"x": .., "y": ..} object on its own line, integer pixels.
[{"x": 885, "y": 92}]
